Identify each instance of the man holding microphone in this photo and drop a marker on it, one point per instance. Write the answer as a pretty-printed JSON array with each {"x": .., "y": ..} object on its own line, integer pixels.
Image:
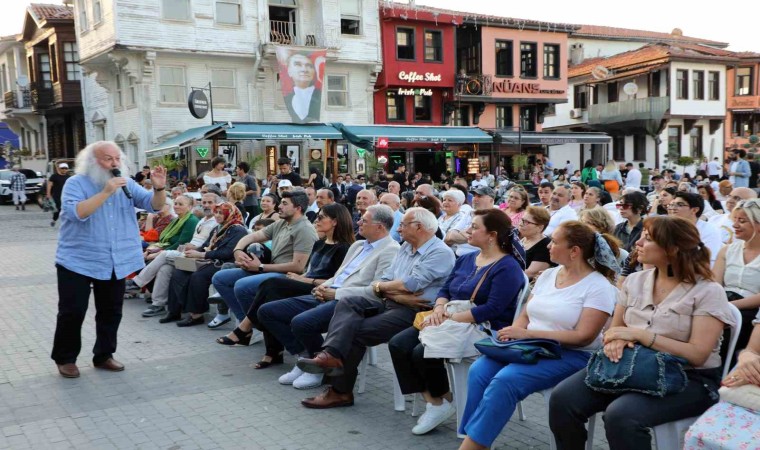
[{"x": 98, "y": 246}]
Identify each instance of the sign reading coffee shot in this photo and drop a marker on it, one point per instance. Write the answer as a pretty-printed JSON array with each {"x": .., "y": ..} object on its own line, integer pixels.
[{"x": 197, "y": 102}]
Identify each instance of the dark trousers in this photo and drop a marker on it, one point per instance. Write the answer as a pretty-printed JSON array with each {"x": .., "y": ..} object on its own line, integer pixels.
[
  {"x": 414, "y": 372},
  {"x": 269, "y": 291},
  {"x": 189, "y": 290},
  {"x": 57, "y": 213},
  {"x": 73, "y": 299},
  {"x": 627, "y": 417},
  {"x": 350, "y": 333},
  {"x": 297, "y": 323}
]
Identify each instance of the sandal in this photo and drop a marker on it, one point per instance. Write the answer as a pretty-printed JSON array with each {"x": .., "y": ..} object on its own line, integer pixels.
[
  {"x": 244, "y": 339},
  {"x": 278, "y": 359}
]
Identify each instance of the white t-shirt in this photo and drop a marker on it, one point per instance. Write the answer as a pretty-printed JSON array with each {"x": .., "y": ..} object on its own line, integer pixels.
[
  {"x": 559, "y": 309},
  {"x": 713, "y": 168},
  {"x": 224, "y": 181},
  {"x": 725, "y": 225},
  {"x": 561, "y": 215},
  {"x": 711, "y": 237},
  {"x": 633, "y": 179}
]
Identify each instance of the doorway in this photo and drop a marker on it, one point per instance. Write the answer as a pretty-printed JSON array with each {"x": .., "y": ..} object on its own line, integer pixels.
[{"x": 432, "y": 163}]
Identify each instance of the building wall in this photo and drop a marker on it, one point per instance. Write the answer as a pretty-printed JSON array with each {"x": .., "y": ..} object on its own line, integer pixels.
[
  {"x": 693, "y": 107},
  {"x": 740, "y": 103},
  {"x": 601, "y": 48}
]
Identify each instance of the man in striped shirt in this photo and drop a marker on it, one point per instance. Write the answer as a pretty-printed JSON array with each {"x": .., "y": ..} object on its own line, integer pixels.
[{"x": 18, "y": 188}]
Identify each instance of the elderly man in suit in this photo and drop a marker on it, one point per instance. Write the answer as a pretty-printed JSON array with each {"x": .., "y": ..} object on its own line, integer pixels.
[
  {"x": 298, "y": 323},
  {"x": 305, "y": 101}
]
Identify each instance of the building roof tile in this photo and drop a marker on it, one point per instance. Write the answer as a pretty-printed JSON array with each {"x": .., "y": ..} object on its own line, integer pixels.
[
  {"x": 629, "y": 34},
  {"x": 51, "y": 12}
]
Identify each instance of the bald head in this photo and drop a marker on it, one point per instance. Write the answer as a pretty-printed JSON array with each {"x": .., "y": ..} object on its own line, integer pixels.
[
  {"x": 738, "y": 194},
  {"x": 364, "y": 199},
  {"x": 391, "y": 200}
]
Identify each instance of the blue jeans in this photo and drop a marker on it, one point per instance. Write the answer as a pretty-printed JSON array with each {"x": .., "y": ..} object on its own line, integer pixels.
[
  {"x": 298, "y": 322},
  {"x": 238, "y": 288},
  {"x": 494, "y": 389}
]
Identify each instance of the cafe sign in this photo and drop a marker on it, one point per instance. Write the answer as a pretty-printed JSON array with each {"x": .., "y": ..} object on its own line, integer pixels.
[
  {"x": 423, "y": 92},
  {"x": 414, "y": 77}
]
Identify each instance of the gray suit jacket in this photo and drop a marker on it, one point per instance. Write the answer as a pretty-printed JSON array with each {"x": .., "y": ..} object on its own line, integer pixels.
[{"x": 369, "y": 270}]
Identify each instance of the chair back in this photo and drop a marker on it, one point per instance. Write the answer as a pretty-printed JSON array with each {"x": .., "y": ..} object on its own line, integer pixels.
[
  {"x": 523, "y": 295},
  {"x": 733, "y": 337}
]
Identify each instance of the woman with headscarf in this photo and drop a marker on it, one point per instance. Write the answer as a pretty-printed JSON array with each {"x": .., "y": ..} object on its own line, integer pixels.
[{"x": 189, "y": 290}]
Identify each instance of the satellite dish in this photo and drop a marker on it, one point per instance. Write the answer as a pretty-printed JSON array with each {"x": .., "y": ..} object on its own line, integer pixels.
[
  {"x": 630, "y": 88},
  {"x": 600, "y": 72},
  {"x": 22, "y": 81}
]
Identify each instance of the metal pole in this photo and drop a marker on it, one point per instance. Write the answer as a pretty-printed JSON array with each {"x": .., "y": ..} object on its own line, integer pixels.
[{"x": 211, "y": 102}]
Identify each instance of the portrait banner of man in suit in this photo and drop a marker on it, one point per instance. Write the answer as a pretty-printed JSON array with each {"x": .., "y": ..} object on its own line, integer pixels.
[{"x": 302, "y": 74}]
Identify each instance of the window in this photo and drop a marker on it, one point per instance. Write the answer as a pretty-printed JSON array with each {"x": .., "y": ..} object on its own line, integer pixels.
[
  {"x": 504, "y": 116},
  {"x": 528, "y": 118},
  {"x": 528, "y": 60},
  {"x": 618, "y": 148},
  {"x": 551, "y": 61},
  {"x": 744, "y": 81},
  {"x": 741, "y": 124},
  {"x": 83, "y": 24},
  {"x": 228, "y": 12},
  {"x": 71, "y": 58},
  {"x": 698, "y": 84},
  {"x": 45, "y": 71},
  {"x": 405, "y": 43},
  {"x": 131, "y": 91},
  {"x": 461, "y": 116},
  {"x": 394, "y": 106},
  {"x": 223, "y": 86},
  {"x": 695, "y": 142},
  {"x": 504, "y": 59},
  {"x": 580, "y": 96},
  {"x": 674, "y": 141},
  {"x": 337, "y": 90},
  {"x": 640, "y": 147},
  {"x": 612, "y": 92},
  {"x": 172, "y": 85},
  {"x": 682, "y": 84},
  {"x": 654, "y": 84},
  {"x": 97, "y": 12},
  {"x": 433, "y": 46},
  {"x": 350, "y": 17},
  {"x": 53, "y": 64},
  {"x": 100, "y": 130},
  {"x": 713, "y": 85},
  {"x": 175, "y": 10},
  {"x": 423, "y": 108},
  {"x": 118, "y": 93}
]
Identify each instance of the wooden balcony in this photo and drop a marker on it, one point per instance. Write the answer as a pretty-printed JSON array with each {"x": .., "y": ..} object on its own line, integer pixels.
[
  {"x": 15, "y": 101},
  {"x": 42, "y": 98}
]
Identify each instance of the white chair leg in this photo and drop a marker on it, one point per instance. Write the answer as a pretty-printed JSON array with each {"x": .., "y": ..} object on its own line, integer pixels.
[
  {"x": 590, "y": 434},
  {"x": 372, "y": 356},
  {"x": 458, "y": 380},
  {"x": 520, "y": 412},
  {"x": 418, "y": 405},
  {"x": 362, "y": 378},
  {"x": 399, "y": 402}
]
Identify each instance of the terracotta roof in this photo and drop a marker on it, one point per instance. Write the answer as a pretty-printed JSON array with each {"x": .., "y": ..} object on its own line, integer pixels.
[
  {"x": 629, "y": 34},
  {"x": 51, "y": 12},
  {"x": 649, "y": 56}
]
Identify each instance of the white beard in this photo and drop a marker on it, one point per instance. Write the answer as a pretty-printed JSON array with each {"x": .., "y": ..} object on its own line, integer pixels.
[{"x": 100, "y": 176}]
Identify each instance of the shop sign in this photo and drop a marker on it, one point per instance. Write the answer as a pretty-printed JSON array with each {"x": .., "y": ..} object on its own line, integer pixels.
[
  {"x": 382, "y": 142},
  {"x": 508, "y": 87},
  {"x": 423, "y": 92},
  {"x": 197, "y": 102},
  {"x": 202, "y": 151},
  {"x": 361, "y": 152},
  {"x": 413, "y": 77}
]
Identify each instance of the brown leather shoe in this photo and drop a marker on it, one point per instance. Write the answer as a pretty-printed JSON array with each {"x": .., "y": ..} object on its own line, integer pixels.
[
  {"x": 69, "y": 370},
  {"x": 323, "y": 362},
  {"x": 329, "y": 399},
  {"x": 111, "y": 365}
]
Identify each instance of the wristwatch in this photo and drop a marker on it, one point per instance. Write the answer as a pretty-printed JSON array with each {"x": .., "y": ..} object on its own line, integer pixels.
[
  {"x": 261, "y": 268},
  {"x": 377, "y": 289}
]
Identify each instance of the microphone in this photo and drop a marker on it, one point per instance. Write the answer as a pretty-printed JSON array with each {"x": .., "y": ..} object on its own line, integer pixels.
[{"x": 117, "y": 173}]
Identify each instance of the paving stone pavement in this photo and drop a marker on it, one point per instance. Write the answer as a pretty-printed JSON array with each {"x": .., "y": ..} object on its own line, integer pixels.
[{"x": 180, "y": 389}]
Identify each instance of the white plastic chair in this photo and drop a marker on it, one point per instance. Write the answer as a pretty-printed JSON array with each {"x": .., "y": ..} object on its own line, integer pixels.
[
  {"x": 458, "y": 371},
  {"x": 669, "y": 436},
  {"x": 370, "y": 358}
]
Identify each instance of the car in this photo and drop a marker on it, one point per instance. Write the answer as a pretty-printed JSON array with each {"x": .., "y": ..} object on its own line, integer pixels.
[{"x": 34, "y": 182}]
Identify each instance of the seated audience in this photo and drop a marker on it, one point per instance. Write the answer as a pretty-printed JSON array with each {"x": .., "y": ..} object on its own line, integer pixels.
[
  {"x": 632, "y": 206},
  {"x": 517, "y": 202},
  {"x": 454, "y": 222},
  {"x": 592, "y": 198},
  {"x": 269, "y": 206},
  {"x": 559, "y": 209},
  {"x": 689, "y": 206},
  {"x": 723, "y": 221},
  {"x": 578, "y": 192},
  {"x": 535, "y": 243}
]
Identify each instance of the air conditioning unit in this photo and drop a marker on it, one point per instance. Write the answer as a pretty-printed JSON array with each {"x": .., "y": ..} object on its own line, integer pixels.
[{"x": 576, "y": 113}]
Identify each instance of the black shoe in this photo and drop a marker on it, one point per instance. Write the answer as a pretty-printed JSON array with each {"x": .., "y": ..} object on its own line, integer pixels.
[
  {"x": 52, "y": 223},
  {"x": 169, "y": 318},
  {"x": 189, "y": 321},
  {"x": 17, "y": 208},
  {"x": 23, "y": 207}
]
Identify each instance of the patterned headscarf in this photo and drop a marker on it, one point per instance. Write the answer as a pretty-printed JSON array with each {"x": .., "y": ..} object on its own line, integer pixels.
[
  {"x": 603, "y": 254},
  {"x": 518, "y": 251},
  {"x": 232, "y": 217}
]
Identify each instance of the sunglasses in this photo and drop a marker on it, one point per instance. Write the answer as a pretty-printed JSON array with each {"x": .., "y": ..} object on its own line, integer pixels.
[{"x": 623, "y": 205}]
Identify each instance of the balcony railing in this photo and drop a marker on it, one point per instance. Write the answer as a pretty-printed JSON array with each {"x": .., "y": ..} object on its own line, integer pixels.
[
  {"x": 650, "y": 108},
  {"x": 15, "y": 101},
  {"x": 286, "y": 33},
  {"x": 42, "y": 97}
]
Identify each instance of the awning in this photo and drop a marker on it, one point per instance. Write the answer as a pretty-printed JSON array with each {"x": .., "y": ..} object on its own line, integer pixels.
[
  {"x": 547, "y": 138},
  {"x": 367, "y": 135},
  {"x": 185, "y": 139},
  {"x": 282, "y": 131}
]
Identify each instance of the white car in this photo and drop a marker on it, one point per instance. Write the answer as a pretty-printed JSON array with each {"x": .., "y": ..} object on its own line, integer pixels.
[{"x": 34, "y": 182}]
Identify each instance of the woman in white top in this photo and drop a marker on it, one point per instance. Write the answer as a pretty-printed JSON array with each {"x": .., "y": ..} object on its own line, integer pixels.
[
  {"x": 570, "y": 304},
  {"x": 217, "y": 174},
  {"x": 737, "y": 267},
  {"x": 453, "y": 222}
]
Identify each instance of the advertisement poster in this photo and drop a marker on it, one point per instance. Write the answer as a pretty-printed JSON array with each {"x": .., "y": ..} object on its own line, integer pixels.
[{"x": 302, "y": 74}]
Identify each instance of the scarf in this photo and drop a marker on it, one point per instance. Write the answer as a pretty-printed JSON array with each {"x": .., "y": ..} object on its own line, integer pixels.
[
  {"x": 172, "y": 230},
  {"x": 232, "y": 217}
]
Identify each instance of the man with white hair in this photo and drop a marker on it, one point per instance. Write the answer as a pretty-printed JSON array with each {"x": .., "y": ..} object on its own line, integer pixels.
[
  {"x": 18, "y": 188},
  {"x": 98, "y": 210},
  {"x": 382, "y": 309},
  {"x": 394, "y": 188},
  {"x": 394, "y": 202},
  {"x": 364, "y": 199}
]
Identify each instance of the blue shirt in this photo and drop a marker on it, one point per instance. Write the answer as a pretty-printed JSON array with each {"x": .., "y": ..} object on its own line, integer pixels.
[
  {"x": 743, "y": 171},
  {"x": 424, "y": 270},
  {"x": 397, "y": 216},
  {"x": 496, "y": 298},
  {"x": 367, "y": 248},
  {"x": 107, "y": 241}
]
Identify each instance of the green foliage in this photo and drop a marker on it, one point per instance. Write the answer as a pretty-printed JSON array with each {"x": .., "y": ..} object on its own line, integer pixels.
[
  {"x": 167, "y": 161},
  {"x": 519, "y": 162},
  {"x": 257, "y": 163},
  {"x": 754, "y": 139},
  {"x": 685, "y": 161}
]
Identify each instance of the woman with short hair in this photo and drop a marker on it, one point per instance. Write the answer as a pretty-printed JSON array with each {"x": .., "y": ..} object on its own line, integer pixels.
[
  {"x": 536, "y": 245},
  {"x": 517, "y": 201},
  {"x": 217, "y": 175},
  {"x": 453, "y": 222}
]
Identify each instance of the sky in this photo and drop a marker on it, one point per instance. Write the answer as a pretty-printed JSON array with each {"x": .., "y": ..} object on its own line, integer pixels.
[{"x": 709, "y": 21}]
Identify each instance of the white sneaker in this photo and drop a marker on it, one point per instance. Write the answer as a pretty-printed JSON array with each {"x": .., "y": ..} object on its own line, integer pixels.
[
  {"x": 291, "y": 376},
  {"x": 308, "y": 381},
  {"x": 433, "y": 416}
]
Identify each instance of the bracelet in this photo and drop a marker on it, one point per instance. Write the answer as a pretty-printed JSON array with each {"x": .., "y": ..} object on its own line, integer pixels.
[
  {"x": 159, "y": 189},
  {"x": 654, "y": 338}
]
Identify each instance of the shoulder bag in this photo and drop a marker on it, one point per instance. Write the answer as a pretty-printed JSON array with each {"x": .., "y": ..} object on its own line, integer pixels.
[
  {"x": 641, "y": 369},
  {"x": 518, "y": 351}
]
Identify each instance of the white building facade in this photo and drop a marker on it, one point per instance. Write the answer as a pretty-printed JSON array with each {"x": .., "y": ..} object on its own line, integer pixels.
[{"x": 143, "y": 58}]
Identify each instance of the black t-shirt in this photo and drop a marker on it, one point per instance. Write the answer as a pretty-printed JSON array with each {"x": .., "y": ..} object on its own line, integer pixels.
[
  {"x": 325, "y": 259},
  {"x": 539, "y": 252},
  {"x": 292, "y": 177},
  {"x": 57, "y": 180}
]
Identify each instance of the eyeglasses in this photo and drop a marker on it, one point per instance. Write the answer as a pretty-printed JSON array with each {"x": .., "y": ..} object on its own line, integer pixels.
[
  {"x": 674, "y": 205},
  {"x": 527, "y": 222},
  {"x": 623, "y": 205},
  {"x": 406, "y": 224},
  {"x": 321, "y": 217}
]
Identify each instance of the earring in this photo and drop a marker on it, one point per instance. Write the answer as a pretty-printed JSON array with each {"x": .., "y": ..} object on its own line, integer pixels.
[{"x": 670, "y": 271}]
